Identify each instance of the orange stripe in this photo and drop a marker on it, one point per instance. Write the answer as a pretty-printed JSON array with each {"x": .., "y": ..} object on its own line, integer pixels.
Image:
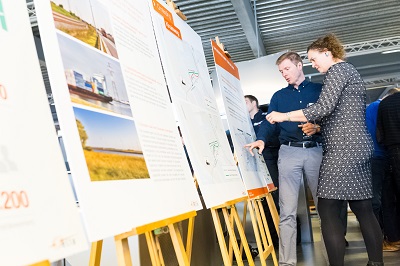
[
  {"x": 223, "y": 61},
  {"x": 163, "y": 12},
  {"x": 173, "y": 29},
  {"x": 256, "y": 192}
]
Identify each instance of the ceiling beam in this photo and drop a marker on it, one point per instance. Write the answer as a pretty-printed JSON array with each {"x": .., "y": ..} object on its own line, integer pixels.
[{"x": 245, "y": 14}]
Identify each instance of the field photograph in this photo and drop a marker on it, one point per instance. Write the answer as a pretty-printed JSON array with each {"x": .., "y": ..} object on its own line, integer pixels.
[
  {"x": 87, "y": 21},
  {"x": 111, "y": 146}
]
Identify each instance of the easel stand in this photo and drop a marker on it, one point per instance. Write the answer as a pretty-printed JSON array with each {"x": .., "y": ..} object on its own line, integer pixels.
[
  {"x": 183, "y": 253},
  {"x": 260, "y": 227},
  {"x": 42, "y": 263},
  {"x": 231, "y": 219}
]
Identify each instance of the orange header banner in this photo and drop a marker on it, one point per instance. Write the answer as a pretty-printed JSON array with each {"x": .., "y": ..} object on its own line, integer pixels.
[
  {"x": 173, "y": 29},
  {"x": 163, "y": 12},
  {"x": 223, "y": 61}
]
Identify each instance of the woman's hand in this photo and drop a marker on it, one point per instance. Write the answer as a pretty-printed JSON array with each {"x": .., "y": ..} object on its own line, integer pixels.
[{"x": 276, "y": 117}]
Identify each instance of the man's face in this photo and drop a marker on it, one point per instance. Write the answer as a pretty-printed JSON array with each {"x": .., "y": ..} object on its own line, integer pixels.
[
  {"x": 290, "y": 72},
  {"x": 249, "y": 104}
]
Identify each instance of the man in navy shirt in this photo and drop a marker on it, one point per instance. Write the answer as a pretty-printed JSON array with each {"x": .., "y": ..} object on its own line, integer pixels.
[
  {"x": 300, "y": 152},
  {"x": 381, "y": 175},
  {"x": 387, "y": 133},
  {"x": 270, "y": 153}
]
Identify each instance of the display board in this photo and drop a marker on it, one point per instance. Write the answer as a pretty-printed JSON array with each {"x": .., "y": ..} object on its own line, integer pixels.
[
  {"x": 192, "y": 95},
  {"x": 39, "y": 219},
  {"x": 253, "y": 169},
  {"x": 120, "y": 135}
]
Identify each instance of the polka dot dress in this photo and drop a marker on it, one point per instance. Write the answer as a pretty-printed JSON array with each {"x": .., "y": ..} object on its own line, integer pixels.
[{"x": 345, "y": 172}]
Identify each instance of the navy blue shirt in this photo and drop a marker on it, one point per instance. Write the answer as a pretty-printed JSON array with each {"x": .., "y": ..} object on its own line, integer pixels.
[
  {"x": 286, "y": 100},
  {"x": 259, "y": 118}
]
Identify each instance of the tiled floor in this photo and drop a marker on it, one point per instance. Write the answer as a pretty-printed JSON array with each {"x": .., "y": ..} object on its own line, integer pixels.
[{"x": 310, "y": 254}]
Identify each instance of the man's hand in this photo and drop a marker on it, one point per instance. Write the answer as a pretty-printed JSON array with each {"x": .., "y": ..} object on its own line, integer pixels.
[
  {"x": 309, "y": 128},
  {"x": 276, "y": 117},
  {"x": 256, "y": 144}
]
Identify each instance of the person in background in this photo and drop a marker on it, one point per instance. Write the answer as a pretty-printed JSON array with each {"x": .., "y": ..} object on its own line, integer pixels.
[
  {"x": 270, "y": 155},
  {"x": 346, "y": 170},
  {"x": 299, "y": 154},
  {"x": 387, "y": 133},
  {"x": 271, "y": 151},
  {"x": 380, "y": 174}
]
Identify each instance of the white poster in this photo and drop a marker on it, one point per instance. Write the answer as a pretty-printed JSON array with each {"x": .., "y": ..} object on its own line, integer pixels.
[
  {"x": 253, "y": 168},
  {"x": 121, "y": 139},
  {"x": 192, "y": 95},
  {"x": 39, "y": 218}
]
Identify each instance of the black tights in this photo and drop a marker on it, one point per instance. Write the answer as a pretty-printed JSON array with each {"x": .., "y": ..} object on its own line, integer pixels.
[{"x": 333, "y": 231}]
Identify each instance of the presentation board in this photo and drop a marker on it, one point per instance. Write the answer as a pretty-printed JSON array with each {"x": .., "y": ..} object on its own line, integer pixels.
[
  {"x": 253, "y": 169},
  {"x": 193, "y": 98},
  {"x": 121, "y": 139},
  {"x": 39, "y": 218}
]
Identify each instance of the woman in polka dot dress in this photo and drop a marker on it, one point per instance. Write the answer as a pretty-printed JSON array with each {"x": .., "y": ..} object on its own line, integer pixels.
[{"x": 345, "y": 172}]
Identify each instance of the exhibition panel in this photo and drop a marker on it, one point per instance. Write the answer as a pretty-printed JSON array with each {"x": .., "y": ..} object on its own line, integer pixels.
[
  {"x": 39, "y": 219},
  {"x": 195, "y": 105},
  {"x": 120, "y": 135}
]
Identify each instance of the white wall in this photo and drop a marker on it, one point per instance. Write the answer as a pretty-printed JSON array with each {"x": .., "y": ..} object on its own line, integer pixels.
[{"x": 260, "y": 77}]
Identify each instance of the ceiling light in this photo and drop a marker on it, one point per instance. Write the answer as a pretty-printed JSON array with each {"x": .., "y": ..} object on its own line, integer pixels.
[{"x": 391, "y": 51}]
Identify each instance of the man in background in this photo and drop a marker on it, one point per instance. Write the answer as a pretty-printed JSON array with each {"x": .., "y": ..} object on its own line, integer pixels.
[
  {"x": 270, "y": 155},
  {"x": 271, "y": 151},
  {"x": 387, "y": 133}
]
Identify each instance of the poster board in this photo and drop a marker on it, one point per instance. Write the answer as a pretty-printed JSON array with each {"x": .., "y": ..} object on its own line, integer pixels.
[
  {"x": 120, "y": 135},
  {"x": 254, "y": 171},
  {"x": 195, "y": 106},
  {"x": 39, "y": 219}
]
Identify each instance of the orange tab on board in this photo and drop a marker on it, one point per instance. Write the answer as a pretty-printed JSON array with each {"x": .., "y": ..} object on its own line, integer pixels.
[
  {"x": 223, "y": 61},
  {"x": 163, "y": 12},
  {"x": 256, "y": 192},
  {"x": 173, "y": 29}
]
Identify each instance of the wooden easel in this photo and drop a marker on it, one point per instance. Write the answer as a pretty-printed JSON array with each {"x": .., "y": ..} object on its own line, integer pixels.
[
  {"x": 176, "y": 9},
  {"x": 222, "y": 46},
  {"x": 260, "y": 226},
  {"x": 183, "y": 253},
  {"x": 231, "y": 218},
  {"x": 42, "y": 263}
]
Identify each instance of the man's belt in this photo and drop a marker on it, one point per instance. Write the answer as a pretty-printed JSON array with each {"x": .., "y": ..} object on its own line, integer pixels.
[{"x": 302, "y": 144}]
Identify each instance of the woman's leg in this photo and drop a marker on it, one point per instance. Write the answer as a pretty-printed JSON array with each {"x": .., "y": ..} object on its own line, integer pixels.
[
  {"x": 370, "y": 228},
  {"x": 332, "y": 229}
]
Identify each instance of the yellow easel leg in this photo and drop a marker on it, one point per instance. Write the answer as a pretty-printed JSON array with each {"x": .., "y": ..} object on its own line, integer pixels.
[
  {"x": 189, "y": 239},
  {"x": 220, "y": 236},
  {"x": 123, "y": 252},
  {"x": 95, "y": 253},
  {"x": 178, "y": 244}
]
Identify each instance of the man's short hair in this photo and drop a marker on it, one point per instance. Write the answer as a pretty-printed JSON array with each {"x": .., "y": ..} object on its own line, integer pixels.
[
  {"x": 392, "y": 91},
  {"x": 292, "y": 56},
  {"x": 252, "y": 99}
]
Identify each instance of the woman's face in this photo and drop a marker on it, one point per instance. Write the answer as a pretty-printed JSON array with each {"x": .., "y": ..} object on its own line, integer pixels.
[{"x": 321, "y": 61}]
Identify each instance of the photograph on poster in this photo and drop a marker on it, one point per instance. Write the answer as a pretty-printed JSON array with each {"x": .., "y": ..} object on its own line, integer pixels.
[
  {"x": 93, "y": 79},
  {"x": 111, "y": 146},
  {"x": 87, "y": 21}
]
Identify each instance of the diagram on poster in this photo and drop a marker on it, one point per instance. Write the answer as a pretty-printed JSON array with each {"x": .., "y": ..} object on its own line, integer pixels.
[
  {"x": 114, "y": 113},
  {"x": 39, "y": 219},
  {"x": 192, "y": 95},
  {"x": 253, "y": 169}
]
